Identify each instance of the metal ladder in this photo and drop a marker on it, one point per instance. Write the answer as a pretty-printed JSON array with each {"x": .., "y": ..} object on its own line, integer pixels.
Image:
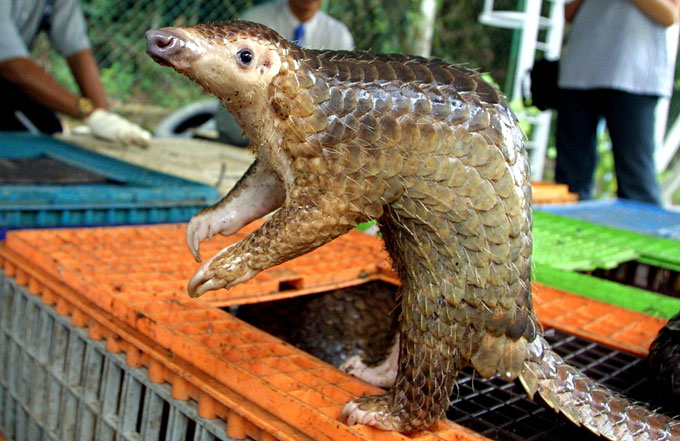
[{"x": 530, "y": 22}]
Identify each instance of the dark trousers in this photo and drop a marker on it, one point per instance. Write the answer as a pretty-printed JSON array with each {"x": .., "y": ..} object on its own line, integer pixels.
[
  {"x": 13, "y": 100},
  {"x": 630, "y": 120}
]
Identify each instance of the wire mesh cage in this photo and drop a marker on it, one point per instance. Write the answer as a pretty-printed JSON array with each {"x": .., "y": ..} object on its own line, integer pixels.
[{"x": 116, "y": 31}]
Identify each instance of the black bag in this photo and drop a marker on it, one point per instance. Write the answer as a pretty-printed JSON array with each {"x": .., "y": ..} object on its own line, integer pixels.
[{"x": 544, "y": 89}]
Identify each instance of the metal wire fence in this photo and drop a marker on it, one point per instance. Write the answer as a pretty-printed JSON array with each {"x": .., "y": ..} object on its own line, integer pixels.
[{"x": 116, "y": 31}]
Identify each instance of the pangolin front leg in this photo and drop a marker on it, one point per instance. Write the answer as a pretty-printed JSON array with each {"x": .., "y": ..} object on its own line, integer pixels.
[
  {"x": 302, "y": 224},
  {"x": 257, "y": 193}
]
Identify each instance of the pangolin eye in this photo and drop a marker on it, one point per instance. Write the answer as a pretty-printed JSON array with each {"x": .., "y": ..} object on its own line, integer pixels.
[{"x": 245, "y": 57}]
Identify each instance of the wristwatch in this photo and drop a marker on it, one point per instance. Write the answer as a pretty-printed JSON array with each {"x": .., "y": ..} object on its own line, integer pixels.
[{"x": 85, "y": 107}]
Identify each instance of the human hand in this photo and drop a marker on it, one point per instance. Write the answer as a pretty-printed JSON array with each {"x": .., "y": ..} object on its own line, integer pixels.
[{"x": 113, "y": 127}]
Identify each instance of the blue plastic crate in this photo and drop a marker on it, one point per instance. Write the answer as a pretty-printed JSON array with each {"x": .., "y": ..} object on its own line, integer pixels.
[
  {"x": 623, "y": 214},
  {"x": 131, "y": 194}
]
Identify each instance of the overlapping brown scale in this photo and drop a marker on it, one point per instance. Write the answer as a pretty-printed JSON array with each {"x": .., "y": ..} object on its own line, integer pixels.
[
  {"x": 401, "y": 105},
  {"x": 351, "y": 128},
  {"x": 364, "y": 101},
  {"x": 286, "y": 84},
  {"x": 390, "y": 131},
  {"x": 464, "y": 80},
  {"x": 494, "y": 132},
  {"x": 402, "y": 71},
  {"x": 479, "y": 119},
  {"x": 303, "y": 104},
  {"x": 368, "y": 130},
  {"x": 305, "y": 78},
  {"x": 328, "y": 67},
  {"x": 421, "y": 72},
  {"x": 310, "y": 61},
  {"x": 344, "y": 72},
  {"x": 410, "y": 134},
  {"x": 333, "y": 133},
  {"x": 376, "y": 163},
  {"x": 384, "y": 71},
  {"x": 319, "y": 91},
  {"x": 298, "y": 129},
  {"x": 334, "y": 105},
  {"x": 318, "y": 120},
  {"x": 459, "y": 110},
  {"x": 487, "y": 94},
  {"x": 350, "y": 101},
  {"x": 441, "y": 74}
]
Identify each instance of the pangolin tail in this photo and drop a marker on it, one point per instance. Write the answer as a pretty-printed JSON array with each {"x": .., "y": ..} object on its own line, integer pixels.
[{"x": 587, "y": 403}]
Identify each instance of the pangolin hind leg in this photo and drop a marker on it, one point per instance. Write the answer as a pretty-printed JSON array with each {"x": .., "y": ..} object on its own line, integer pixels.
[
  {"x": 465, "y": 297},
  {"x": 427, "y": 366},
  {"x": 384, "y": 374}
]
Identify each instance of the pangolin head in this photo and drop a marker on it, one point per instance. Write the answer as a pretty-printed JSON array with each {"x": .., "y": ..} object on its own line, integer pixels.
[{"x": 227, "y": 59}]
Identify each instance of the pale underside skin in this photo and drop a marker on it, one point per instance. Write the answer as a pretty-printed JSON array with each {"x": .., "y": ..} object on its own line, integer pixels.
[
  {"x": 258, "y": 193},
  {"x": 261, "y": 193},
  {"x": 381, "y": 375},
  {"x": 431, "y": 151}
]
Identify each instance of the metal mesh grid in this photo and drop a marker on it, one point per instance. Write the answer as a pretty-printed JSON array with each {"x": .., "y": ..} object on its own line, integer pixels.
[
  {"x": 57, "y": 384},
  {"x": 624, "y": 214},
  {"x": 501, "y": 410}
]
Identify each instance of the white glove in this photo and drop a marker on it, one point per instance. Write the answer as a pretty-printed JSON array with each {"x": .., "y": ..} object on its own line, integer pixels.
[{"x": 112, "y": 127}]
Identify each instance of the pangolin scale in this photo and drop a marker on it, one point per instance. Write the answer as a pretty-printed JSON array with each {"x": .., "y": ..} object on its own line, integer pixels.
[{"x": 432, "y": 152}]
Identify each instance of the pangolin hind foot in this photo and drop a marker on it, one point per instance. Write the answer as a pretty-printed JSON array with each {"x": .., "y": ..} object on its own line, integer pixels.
[{"x": 428, "y": 149}]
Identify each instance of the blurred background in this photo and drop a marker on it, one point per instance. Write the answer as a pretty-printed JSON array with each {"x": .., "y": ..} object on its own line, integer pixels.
[{"x": 459, "y": 31}]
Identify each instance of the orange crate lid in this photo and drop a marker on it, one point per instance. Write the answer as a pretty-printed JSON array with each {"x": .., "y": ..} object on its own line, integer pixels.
[{"x": 127, "y": 284}]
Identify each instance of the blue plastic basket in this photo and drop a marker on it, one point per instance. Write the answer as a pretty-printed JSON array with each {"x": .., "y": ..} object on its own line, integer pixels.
[
  {"x": 132, "y": 194},
  {"x": 623, "y": 214}
]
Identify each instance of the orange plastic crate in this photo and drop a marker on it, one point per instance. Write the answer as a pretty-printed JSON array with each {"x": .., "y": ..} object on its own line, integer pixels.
[
  {"x": 262, "y": 387},
  {"x": 550, "y": 193},
  {"x": 127, "y": 285}
]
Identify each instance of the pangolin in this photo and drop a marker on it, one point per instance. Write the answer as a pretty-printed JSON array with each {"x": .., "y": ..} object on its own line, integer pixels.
[{"x": 432, "y": 152}]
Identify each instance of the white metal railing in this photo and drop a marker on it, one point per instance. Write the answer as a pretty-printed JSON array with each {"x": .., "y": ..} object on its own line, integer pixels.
[{"x": 530, "y": 22}]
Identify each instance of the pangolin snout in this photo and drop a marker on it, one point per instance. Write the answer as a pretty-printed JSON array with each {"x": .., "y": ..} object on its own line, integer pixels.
[{"x": 166, "y": 47}]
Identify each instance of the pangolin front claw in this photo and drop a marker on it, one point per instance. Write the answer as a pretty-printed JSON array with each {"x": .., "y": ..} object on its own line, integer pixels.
[
  {"x": 202, "y": 282},
  {"x": 224, "y": 270},
  {"x": 198, "y": 230}
]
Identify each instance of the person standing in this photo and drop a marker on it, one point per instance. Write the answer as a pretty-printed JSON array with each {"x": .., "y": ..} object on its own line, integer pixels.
[
  {"x": 31, "y": 96},
  {"x": 618, "y": 62}
]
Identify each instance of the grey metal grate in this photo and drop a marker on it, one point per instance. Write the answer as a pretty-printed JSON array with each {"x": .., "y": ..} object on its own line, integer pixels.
[
  {"x": 57, "y": 384},
  {"x": 43, "y": 170},
  {"x": 502, "y": 411}
]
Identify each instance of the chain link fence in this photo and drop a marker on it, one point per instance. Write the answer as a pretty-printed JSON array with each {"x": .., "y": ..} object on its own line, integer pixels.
[{"x": 116, "y": 31}]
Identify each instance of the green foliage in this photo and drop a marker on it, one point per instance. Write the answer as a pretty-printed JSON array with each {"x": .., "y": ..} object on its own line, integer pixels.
[
  {"x": 459, "y": 37},
  {"x": 375, "y": 24},
  {"x": 605, "y": 176}
]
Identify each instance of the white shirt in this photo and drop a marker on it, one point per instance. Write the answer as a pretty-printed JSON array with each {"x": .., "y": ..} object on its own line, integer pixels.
[
  {"x": 321, "y": 32},
  {"x": 614, "y": 45}
]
